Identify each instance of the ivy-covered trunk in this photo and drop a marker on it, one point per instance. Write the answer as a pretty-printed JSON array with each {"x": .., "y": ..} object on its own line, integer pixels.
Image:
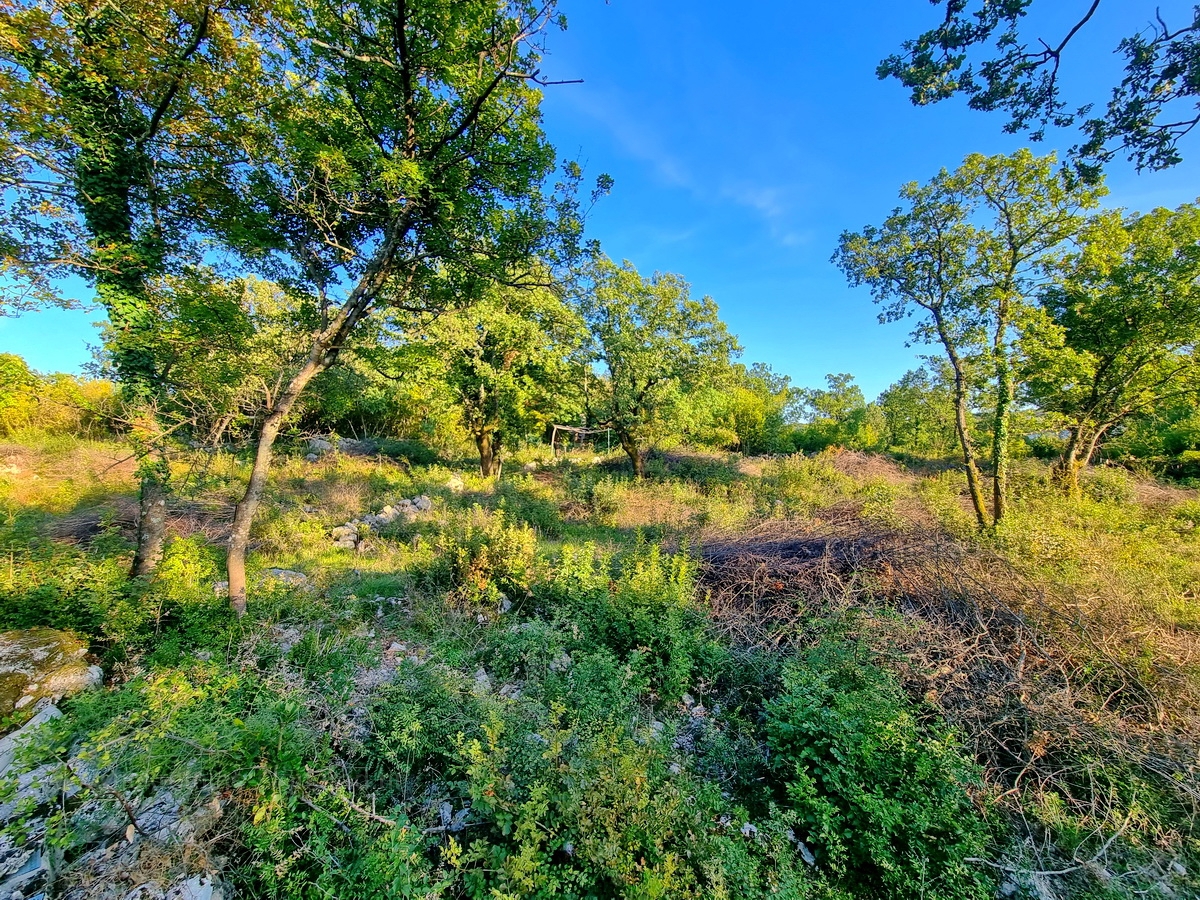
[
  {"x": 1005, "y": 390},
  {"x": 1081, "y": 447},
  {"x": 108, "y": 168},
  {"x": 962, "y": 422}
]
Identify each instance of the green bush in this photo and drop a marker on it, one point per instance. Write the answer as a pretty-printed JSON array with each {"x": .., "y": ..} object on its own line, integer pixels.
[
  {"x": 486, "y": 556},
  {"x": 878, "y": 795}
]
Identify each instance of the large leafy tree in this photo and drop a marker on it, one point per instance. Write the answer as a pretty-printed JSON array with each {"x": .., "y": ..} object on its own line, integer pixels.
[
  {"x": 507, "y": 361},
  {"x": 1156, "y": 103},
  {"x": 971, "y": 249},
  {"x": 405, "y": 172},
  {"x": 1123, "y": 328},
  {"x": 653, "y": 342},
  {"x": 115, "y": 119}
]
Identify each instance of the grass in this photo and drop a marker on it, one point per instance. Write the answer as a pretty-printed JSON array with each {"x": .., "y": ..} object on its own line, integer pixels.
[{"x": 548, "y": 686}]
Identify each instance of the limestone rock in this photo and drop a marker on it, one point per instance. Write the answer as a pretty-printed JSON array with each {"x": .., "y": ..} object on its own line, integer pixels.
[
  {"x": 319, "y": 445},
  {"x": 287, "y": 576},
  {"x": 38, "y": 663}
]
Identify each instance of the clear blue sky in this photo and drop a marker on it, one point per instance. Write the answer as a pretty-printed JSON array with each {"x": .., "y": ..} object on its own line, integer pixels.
[{"x": 744, "y": 138}]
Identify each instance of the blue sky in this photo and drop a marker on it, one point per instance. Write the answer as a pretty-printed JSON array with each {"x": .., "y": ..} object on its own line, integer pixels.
[{"x": 743, "y": 140}]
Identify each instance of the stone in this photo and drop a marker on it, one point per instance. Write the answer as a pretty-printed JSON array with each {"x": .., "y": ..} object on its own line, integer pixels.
[
  {"x": 39, "y": 663},
  {"x": 456, "y": 484},
  {"x": 423, "y": 503},
  {"x": 10, "y": 743},
  {"x": 312, "y": 458},
  {"x": 319, "y": 445},
  {"x": 483, "y": 682},
  {"x": 342, "y": 532},
  {"x": 529, "y": 467},
  {"x": 198, "y": 887},
  {"x": 346, "y": 544},
  {"x": 289, "y": 577},
  {"x": 221, "y": 588}
]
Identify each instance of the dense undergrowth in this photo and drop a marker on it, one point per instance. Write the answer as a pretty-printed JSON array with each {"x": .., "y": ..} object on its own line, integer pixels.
[{"x": 802, "y": 677}]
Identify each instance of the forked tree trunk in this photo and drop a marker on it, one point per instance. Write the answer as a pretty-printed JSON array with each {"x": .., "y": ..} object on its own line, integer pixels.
[
  {"x": 488, "y": 442},
  {"x": 636, "y": 454},
  {"x": 1076, "y": 456},
  {"x": 962, "y": 425},
  {"x": 243, "y": 515}
]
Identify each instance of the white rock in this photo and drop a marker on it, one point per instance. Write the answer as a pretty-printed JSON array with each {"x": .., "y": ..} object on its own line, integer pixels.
[
  {"x": 529, "y": 467},
  {"x": 456, "y": 484},
  {"x": 423, "y": 503},
  {"x": 199, "y": 887},
  {"x": 11, "y": 742},
  {"x": 342, "y": 532},
  {"x": 346, "y": 544},
  {"x": 287, "y": 576},
  {"x": 319, "y": 445}
]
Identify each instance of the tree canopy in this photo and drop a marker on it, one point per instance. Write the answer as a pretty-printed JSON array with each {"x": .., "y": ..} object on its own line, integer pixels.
[{"x": 1154, "y": 106}]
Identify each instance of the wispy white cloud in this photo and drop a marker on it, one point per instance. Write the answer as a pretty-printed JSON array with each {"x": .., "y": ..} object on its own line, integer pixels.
[{"x": 777, "y": 204}]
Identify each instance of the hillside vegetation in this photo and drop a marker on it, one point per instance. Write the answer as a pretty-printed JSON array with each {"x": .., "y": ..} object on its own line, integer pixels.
[{"x": 739, "y": 677}]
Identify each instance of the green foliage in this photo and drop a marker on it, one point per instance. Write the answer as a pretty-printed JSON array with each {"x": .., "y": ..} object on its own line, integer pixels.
[
  {"x": 970, "y": 250},
  {"x": 486, "y": 556},
  {"x": 506, "y": 361},
  {"x": 918, "y": 412},
  {"x": 1020, "y": 78},
  {"x": 878, "y": 794},
  {"x": 54, "y": 404},
  {"x": 654, "y": 343}
]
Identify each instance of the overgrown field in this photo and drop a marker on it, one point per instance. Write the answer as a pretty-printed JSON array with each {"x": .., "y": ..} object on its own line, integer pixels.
[{"x": 793, "y": 677}]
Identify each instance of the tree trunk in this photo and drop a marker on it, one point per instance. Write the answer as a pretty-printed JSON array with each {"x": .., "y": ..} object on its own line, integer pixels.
[
  {"x": 152, "y": 516},
  {"x": 962, "y": 425},
  {"x": 1005, "y": 390},
  {"x": 1065, "y": 472},
  {"x": 636, "y": 454},
  {"x": 243, "y": 515},
  {"x": 1076, "y": 456},
  {"x": 488, "y": 442}
]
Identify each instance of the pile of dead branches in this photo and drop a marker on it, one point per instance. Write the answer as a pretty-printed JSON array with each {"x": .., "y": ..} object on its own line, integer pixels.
[{"x": 1032, "y": 687}]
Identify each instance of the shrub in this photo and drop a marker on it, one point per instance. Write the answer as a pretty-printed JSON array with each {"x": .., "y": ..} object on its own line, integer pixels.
[
  {"x": 486, "y": 556},
  {"x": 877, "y": 794}
]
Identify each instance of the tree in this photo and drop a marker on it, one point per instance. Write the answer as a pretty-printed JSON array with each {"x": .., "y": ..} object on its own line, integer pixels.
[
  {"x": 1152, "y": 108},
  {"x": 116, "y": 118},
  {"x": 653, "y": 342},
  {"x": 971, "y": 250},
  {"x": 1124, "y": 324},
  {"x": 835, "y": 414},
  {"x": 757, "y": 407},
  {"x": 404, "y": 171},
  {"x": 506, "y": 360},
  {"x": 918, "y": 411}
]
